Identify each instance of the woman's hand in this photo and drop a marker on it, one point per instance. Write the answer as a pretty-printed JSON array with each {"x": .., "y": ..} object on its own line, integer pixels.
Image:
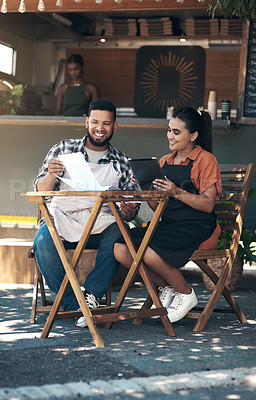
[
  {"x": 202, "y": 202},
  {"x": 167, "y": 186}
]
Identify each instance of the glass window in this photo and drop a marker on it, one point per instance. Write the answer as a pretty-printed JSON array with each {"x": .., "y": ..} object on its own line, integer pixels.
[{"x": 6, "y": 59}]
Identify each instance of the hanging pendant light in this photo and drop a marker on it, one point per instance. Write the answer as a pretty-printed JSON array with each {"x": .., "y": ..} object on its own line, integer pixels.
[
  {"x": 4, "y": 7},
  {"x": 41, "y": 6},
  {"x": 22, "y": 7}
]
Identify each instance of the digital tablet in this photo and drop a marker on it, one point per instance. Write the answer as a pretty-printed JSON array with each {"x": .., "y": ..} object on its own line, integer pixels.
[{"x": 146, "y": 170}]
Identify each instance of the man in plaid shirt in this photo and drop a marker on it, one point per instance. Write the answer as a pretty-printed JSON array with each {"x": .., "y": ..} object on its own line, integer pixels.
[{"x": 111, "y": 168}]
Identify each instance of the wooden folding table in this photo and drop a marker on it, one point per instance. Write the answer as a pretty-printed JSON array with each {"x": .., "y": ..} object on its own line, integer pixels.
[{"x": 109, "y": 314}]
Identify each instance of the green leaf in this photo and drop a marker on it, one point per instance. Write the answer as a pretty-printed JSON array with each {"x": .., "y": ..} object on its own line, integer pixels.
[
  {"x": 244, "y": 9},
  {"x": 17, "y": 90},
  {"x": 11, "y": 112}
]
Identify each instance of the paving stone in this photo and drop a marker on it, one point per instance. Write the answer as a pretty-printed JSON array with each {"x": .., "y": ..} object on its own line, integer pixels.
[
  {"x": 126, "y": 386},
  {"x": 31, "y": 393},
  {"x": 80, "y": 389},
  {"x": 105, "y": 387}
]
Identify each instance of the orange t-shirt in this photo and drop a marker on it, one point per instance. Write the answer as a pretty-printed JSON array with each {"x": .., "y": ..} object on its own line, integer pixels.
[{"x": 205, "y": 171}]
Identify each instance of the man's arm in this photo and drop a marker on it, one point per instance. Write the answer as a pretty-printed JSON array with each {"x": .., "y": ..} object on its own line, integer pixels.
[
  {"x": 47, "y": 182},
  {"x": 129, "y": 210}
]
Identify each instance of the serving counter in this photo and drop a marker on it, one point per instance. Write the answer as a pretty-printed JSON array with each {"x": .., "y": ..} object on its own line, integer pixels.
[{"x": 25, "y": 140}]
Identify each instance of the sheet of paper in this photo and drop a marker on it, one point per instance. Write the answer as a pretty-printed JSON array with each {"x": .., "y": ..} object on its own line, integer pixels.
[{"x": 80, "y": 173}]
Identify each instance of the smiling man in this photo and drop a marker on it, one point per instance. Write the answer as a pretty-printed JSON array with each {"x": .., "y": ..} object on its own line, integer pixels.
[{"x": 111, "y": 168}]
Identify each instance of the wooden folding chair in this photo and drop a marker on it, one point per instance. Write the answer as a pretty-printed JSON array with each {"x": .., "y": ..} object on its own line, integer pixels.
[
  {"x": 84, "y": 267},
  {"x": 230, "y": 210}
]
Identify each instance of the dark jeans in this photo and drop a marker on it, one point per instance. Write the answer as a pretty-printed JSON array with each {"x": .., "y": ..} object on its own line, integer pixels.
[{"x": 97, "y": 282}]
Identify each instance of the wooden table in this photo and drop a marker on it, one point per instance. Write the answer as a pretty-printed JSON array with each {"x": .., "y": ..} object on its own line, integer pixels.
[{"x": 109, "y": 314}]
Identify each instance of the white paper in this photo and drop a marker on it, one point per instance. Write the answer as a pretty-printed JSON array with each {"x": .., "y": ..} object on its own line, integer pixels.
[{"x": 80, "y": 173}]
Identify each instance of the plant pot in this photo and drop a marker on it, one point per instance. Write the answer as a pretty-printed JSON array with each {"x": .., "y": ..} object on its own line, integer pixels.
[{"x": 233, "y": 278}]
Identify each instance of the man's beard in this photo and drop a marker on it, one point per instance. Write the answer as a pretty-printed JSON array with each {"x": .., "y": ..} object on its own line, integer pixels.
[{"x": 99, "y": 144}]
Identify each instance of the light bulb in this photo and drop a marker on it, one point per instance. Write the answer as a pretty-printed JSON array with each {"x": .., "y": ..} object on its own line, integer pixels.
[
  {"x": 180, "y": 1},
  {"x": 22, "y": 7},
  {"x": 59, "y": 3},
  {"x": 41, "y": 6},
  {"x": 4, "y": 7},
  {"x": 99, "y": 2}
]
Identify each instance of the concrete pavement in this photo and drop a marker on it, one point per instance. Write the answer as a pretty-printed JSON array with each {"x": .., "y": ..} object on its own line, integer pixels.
[{"x": 138, "y": 362}]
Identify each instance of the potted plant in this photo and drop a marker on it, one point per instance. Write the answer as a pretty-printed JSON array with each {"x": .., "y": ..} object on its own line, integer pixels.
[
  {"x": 246, "y": 254},
  {"x": 234, "y": 8},
  {"x": 10, "y": 100}
]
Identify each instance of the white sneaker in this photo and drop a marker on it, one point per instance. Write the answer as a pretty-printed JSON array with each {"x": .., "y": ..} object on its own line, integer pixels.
[
  {"x": 166, "y": 296},
  {"x": 181, "y": 305},
  {"x": 92, "y": 303}
]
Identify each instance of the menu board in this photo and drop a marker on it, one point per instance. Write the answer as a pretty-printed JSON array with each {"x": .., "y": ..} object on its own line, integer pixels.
[{"x": 246, "y": 112}]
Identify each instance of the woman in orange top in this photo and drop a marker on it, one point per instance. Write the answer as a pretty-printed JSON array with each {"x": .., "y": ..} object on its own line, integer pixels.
[{"x": 193, "y": 182}]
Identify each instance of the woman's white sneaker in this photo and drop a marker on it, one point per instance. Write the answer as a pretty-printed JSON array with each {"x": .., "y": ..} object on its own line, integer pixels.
[
  {"x": 166, "y": 295},
  {"x": 181, "y": 305}
]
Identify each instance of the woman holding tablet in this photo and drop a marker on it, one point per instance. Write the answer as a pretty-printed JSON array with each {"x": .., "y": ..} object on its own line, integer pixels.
[{"x": 193, "y": 182}]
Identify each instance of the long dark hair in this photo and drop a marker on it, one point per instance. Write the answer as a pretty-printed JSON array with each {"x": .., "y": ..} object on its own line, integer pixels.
[{"x": 197, "y": 121}]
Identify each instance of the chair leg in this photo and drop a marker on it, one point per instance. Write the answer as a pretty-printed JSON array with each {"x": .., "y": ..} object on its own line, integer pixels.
[
  {"x": 34, "y": 301},
  {"x": 38, "y": 279},
  {"x": 219, "y": 289},
  {"x": 109, "y": 295},
  {"x": 41, "y": 284}
]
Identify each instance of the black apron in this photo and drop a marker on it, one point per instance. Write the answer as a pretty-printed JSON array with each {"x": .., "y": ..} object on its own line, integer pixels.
[{"x": 182, "y": 228}]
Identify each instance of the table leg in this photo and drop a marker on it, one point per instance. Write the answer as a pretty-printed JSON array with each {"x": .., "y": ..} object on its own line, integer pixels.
[
  {"x": 137, "y": 263},
  {"x": 70, "y": 276}
]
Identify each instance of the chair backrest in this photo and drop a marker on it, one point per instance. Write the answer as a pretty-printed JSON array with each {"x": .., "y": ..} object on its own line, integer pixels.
[{"x": 230, "y": 208}]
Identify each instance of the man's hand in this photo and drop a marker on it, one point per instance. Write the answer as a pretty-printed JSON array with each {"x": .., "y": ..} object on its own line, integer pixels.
[
  {"x": 55, "y": 167},
  {"x": 128, "y": 210},
  {"x": 47, "y": 182}
]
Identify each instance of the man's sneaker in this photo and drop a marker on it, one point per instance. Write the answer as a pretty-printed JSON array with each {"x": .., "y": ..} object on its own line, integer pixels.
[
  {"x": 91, "y": 300},
  {"x": 166, "y": 295},
  {"x": 92, "y": 303},
  {"x": 181, "y": 305}
]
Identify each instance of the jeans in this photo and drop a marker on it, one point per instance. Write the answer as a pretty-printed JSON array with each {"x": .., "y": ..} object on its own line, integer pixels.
[{"x": 97, "y": 282}]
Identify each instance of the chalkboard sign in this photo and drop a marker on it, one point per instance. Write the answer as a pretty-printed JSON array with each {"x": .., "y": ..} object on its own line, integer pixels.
[{"x": 246, "y": 112}]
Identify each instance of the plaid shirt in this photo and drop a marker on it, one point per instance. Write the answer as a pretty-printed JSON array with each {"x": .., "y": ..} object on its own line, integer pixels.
[{"x": 119, "y": 159}]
